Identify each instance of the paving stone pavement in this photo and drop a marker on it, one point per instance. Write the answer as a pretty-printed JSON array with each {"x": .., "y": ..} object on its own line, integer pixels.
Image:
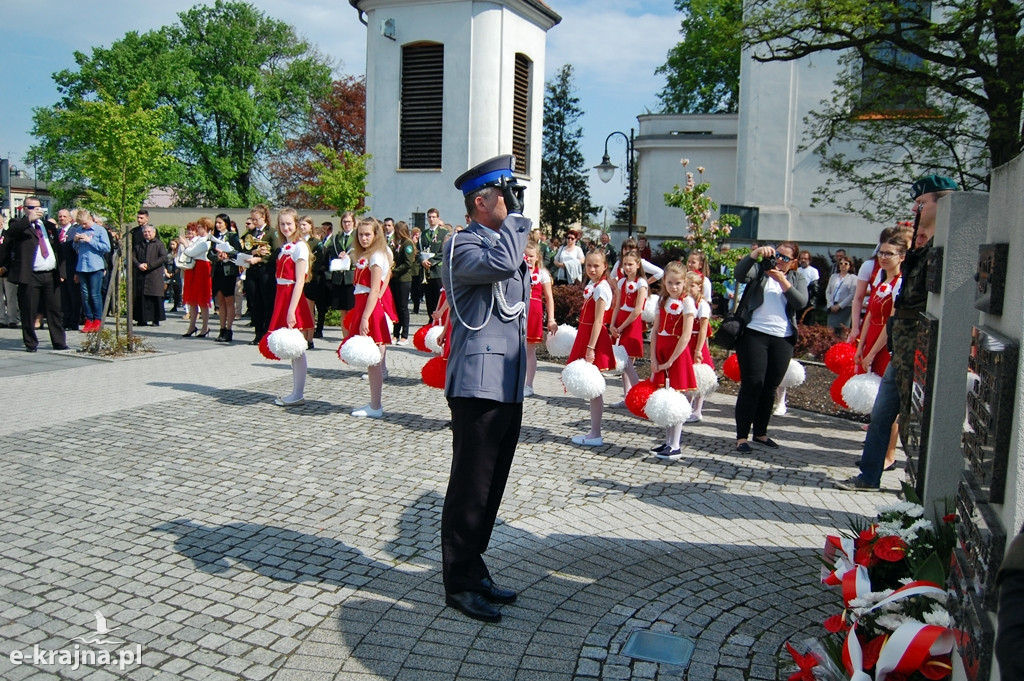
[{"x": 231, "y": 539}]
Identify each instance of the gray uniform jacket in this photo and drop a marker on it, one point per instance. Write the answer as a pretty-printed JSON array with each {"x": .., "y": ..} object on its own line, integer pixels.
[{"x": 489, "y": 363}]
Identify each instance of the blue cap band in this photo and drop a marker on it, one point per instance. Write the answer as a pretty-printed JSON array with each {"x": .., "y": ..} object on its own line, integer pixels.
[{"x": 472, "y": 185}]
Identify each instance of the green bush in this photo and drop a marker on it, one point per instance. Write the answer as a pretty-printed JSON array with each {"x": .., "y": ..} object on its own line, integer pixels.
[{"x": 106, "y": 343}]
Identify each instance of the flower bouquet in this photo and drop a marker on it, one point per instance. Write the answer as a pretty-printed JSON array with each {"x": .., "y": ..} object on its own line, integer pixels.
[{"x": 893, "y": 624}]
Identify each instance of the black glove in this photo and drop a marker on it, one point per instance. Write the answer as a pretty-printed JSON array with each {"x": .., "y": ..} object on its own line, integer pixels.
[{"x": 513, "y": 194}]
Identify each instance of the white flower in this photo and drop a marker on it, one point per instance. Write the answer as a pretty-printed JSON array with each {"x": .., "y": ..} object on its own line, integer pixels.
[
  {"x": 685, "y": 161},
  {"x": 938, "y": 616},
  {"x": 892, "y": 622},
  {"x": 674, "y": 306},
  {"x": 700, "y": 169},
  {"x": 588, "y": 290}
]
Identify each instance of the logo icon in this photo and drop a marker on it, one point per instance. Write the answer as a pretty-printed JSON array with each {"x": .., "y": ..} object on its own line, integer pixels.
[{"x": 101, "y": 630}]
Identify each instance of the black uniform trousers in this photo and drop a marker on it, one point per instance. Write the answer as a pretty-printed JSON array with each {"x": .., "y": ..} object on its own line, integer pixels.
[
  {"x": 484, "y": 438},
  {"x": 260, "y": 290},
  {"x": 71, "y": 303},
  {"x": 432, "y": 292},
  {"x": 41, "y": 292}
]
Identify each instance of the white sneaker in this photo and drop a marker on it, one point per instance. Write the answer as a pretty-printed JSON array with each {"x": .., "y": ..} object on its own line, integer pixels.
[
  {"x": 402, "y": 341},
  {"x": 368, "y": 412},
  {"x": 527, "y": 391},
  {"x": 779, "y": 410},
  {"x": 694, "y": 418},
  {"x": 621, "y": 404},
  {"x": 282, "y": 402},
  {"x": 588, "y": 441}
]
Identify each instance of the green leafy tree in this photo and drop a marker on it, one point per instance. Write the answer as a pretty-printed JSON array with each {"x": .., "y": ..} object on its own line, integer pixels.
[
  {"x": 565, "y": 192},
  {"x": 702, "y": 233},
  {"x": 937, "y": 86},
  {"x": 341, "y": 180},
  {"x": 116, "y": 151},
  {"x": 236, "y": 80},
  {"x": 703, "y": 71}
]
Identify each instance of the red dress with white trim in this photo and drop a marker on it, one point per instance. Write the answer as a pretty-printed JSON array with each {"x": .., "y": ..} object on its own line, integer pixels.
[
  {"x": 290, "y": 254},
  {"x": 632, "y": 337},
  {"x": 535, "y": 317},
  {"x": 880, "y": 308},
  {"x": 604, "y": 356},
  {"x": 670, "y": 329},
  {"x": 380, "y": 323},
  {"x": 703, "y": 312}
]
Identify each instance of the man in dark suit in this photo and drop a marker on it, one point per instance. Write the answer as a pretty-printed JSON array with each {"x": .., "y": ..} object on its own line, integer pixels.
[
  {"x": 38, "y": 270},
  {"x": 431, "y": 243},
  {"x": 488, "y": 289},
  {"x": 148, "y": 258}
]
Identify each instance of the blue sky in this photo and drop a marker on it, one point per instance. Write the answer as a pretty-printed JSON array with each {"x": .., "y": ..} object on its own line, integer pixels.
[{"x": 614, "y": 46}]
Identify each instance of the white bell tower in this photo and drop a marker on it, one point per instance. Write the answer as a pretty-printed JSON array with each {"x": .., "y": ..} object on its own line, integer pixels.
[{"x": 451, "y": 83}]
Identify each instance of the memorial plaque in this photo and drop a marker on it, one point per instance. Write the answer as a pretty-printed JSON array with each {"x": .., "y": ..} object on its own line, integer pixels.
[
  {"x": 982, "y": 540},
  {"x": 991, "y": 277},
  {"x": 933, "y": 270},
  {"x": 992, "y": 384},
  {"x": 975, "y": 637},
  {"x": 915, "y": 444}
]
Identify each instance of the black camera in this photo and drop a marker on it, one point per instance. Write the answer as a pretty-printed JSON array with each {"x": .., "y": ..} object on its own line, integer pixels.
[{"x": 769, "y": 263}]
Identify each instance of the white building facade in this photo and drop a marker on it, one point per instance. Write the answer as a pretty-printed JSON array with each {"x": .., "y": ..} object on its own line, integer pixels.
[
  {"x": 751, "y": 160},
  {"x": 459, "y": 81}
]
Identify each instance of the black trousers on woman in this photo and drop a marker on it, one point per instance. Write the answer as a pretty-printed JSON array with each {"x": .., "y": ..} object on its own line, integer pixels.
[
  {"x": 400, "y": 292},
  {"x": 763, "y": 360}
]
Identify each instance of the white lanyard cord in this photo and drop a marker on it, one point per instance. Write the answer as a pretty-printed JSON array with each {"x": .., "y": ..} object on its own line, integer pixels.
[{"x": 505, "y": 311}]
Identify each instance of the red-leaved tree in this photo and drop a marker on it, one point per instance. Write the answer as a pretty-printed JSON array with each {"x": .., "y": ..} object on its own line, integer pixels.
[{"x": 338, "y": 122}]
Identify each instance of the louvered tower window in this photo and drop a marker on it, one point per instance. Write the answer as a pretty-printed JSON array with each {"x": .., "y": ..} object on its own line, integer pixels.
[
  {"x": 421, "y": 106},
  {"x": 521, "y": 114}
]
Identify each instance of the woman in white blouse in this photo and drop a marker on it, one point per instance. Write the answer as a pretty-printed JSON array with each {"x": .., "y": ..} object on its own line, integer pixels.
[{"x": 569, "y": 260}]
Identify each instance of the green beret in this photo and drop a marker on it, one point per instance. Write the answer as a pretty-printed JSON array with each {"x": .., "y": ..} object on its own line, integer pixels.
[{"x": 932, "y": 183}]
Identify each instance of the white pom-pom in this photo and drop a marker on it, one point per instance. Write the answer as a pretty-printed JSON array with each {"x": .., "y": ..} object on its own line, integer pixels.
[
  {"x": 707, "y": 380},
  {"x": 795, "y": 375},
  {"x": 668, "y": 407},
  {"x": 650, "y": 308},
  {"x": 360, "y": 352},
  {"x": 559, "y": 344},
  {"x": 287, "y": 343},
  {"x": 860, "y": 391},
  {"x": 621, "y": 357},
  {"x": 583, "y": 379},
  {"x": 433, "y": 338}
]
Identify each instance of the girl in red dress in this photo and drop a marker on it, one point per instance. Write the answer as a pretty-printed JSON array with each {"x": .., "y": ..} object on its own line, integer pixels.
[
  {"x": 698, "y": 345},
  {"x": 541, "y": 299},
  {"x": 872, "y": 354},
  {"x": 369, "y": 316},
  {"x": 198, "y": 290},
  {"x": 627, "y": 328},
  {"x": 592, "y": 340},
  {"x": 671, "y": 362},
  {"x": 291, "y": 309}
]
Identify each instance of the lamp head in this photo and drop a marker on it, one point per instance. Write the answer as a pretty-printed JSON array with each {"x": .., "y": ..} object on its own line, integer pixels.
[{"x": 606, "y": 169}]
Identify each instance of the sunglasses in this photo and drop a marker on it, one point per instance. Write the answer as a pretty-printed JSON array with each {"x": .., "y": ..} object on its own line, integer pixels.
[{"x": 783, "y": 258}]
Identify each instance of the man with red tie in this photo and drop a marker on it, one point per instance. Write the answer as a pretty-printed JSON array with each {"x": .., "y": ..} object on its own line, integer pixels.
[{"x": 38, "y": 270}]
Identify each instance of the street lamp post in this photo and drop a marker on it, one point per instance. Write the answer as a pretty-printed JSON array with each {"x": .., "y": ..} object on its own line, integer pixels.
[{"x": 606, "y": 170}]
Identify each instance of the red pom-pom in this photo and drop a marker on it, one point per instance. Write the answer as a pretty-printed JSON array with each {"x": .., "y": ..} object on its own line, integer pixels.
[
  {"x": 839, "y": 358},
  {"x": 434, "y": 371},
  {"x": 731, "y": 368},
  {"x": 419, "y": 339},
  {"x": 636, "y": 398},
  {"x": 836, "y": 391},
  {"x": 265, "y": 349}
]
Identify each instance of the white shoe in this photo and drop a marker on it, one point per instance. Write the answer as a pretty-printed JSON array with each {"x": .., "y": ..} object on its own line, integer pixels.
[
  {"x": 384, "y": 375},
  {"x": 281, "y": 402},
  {"x": 368, "y": 412},
  {"x": 402, "y": 341},
  {"x": 527, "y": 391},
  {"x": 621, "y": 404},
  {"x": 588, "y": 441},
  {"x": 364, "y": 377},
  {"x": 694, "y": 418}
]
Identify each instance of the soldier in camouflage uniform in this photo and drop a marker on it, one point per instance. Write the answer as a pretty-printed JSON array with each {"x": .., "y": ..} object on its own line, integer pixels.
[{"x": 894, "y": 392}]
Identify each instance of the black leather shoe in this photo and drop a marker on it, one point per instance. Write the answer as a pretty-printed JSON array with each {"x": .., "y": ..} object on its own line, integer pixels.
[
  {"x": 495, "y": 594},
  {"x": 474, "y": 605}
]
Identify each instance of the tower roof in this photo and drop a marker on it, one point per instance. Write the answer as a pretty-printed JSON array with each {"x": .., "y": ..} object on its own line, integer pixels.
[{"x": 537, "y": 5}]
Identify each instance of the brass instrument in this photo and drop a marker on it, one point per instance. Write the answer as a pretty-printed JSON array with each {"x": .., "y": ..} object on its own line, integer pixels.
[{"x": 249, "y": 243}]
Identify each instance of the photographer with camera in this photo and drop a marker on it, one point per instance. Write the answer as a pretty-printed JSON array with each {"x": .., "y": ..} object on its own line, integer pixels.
[{"x": 775, "y": 293}]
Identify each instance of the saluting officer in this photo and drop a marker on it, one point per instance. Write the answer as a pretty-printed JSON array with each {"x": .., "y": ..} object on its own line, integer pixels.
[{"x": 488, "y": 288}]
